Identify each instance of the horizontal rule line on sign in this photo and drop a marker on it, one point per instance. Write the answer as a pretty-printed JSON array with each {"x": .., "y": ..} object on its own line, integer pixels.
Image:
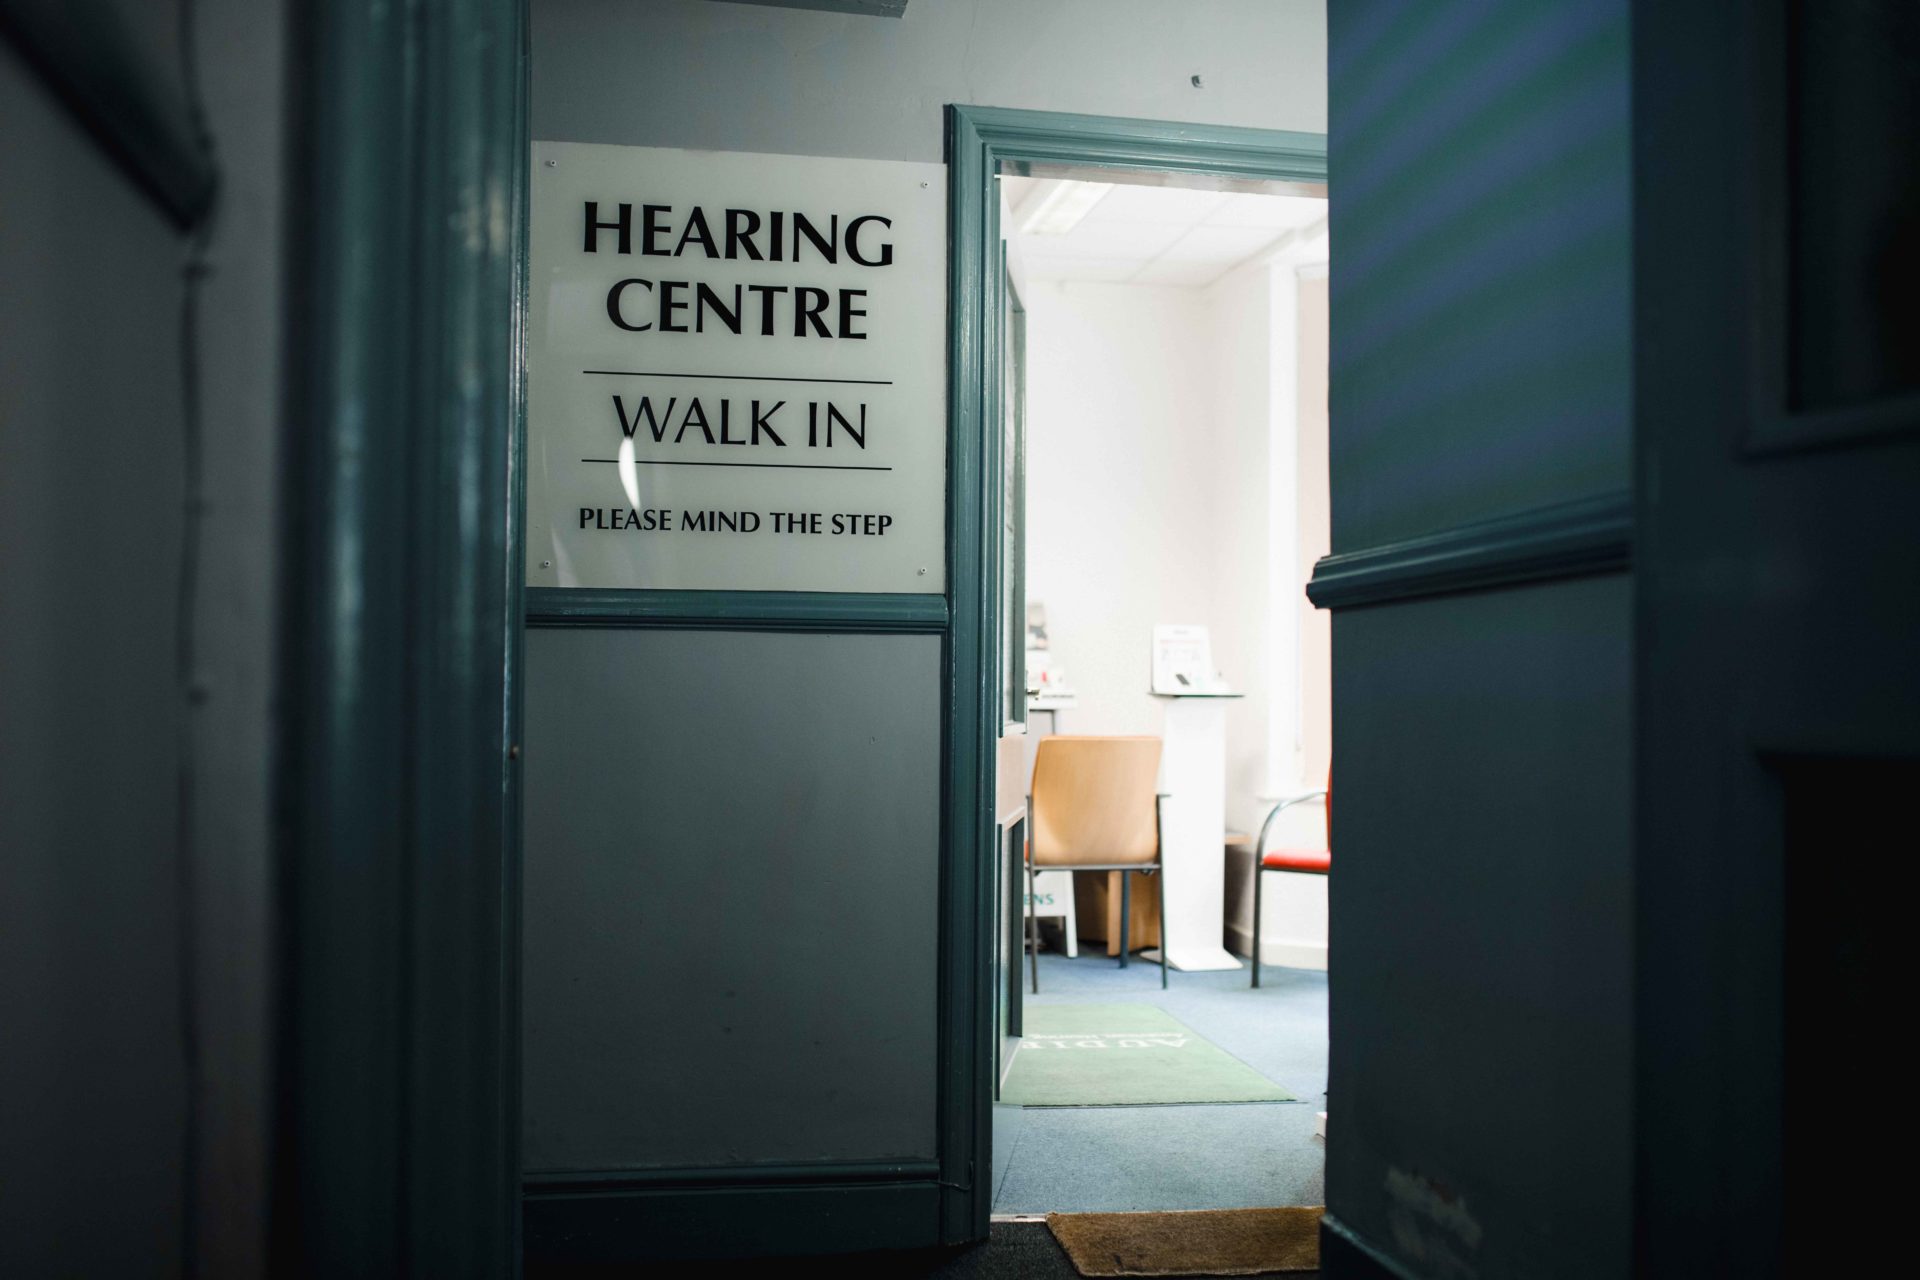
[
  {"x": 782, "y": 466},
  {"x": 734, "y": 377}
]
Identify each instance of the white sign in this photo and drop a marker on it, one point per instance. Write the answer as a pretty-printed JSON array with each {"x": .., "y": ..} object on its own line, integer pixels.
[
  {"x": 736, "y": 371},
  {"x": 1183, "y": 661}
]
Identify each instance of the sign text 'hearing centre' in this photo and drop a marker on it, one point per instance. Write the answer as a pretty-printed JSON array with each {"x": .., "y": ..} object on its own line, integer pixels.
[{"x": 736, "y": 372}]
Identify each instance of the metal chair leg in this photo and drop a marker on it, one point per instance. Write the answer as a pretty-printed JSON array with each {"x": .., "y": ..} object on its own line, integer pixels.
[
  {"x": 1257, "y": 878},
  {"x": 1033, "y": 925},
  {"x": 1126, "y": 913},
  {"x": 1017, "y": 931},
  {"x": 1163, "y": 926}
]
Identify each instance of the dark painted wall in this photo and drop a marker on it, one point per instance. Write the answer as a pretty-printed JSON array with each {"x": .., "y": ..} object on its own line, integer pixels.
[
  {"x": 732, "y": 852},
  {"x": 90, "y": 481},
  {"x": 1481, "y": 938},
  {"x": 1481, "y": 931},
  {"x": 1480, "y": 360},
  {"x": 134, "y": 867},
  {"x": 691, "y": 73}
]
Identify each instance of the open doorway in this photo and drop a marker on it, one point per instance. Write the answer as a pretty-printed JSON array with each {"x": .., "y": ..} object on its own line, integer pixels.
[{"x": 1165, "y": 345}]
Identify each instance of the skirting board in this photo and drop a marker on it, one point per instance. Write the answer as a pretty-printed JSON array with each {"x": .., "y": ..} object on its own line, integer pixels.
[
  {"x": 631, "y": 1225},
  {"x": 1345, "y": 1256},
  {"x": 1278, "y": 953}
]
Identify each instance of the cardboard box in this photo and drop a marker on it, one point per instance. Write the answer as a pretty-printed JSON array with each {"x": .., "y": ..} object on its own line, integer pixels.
[{"x": 1096, "y": 896}]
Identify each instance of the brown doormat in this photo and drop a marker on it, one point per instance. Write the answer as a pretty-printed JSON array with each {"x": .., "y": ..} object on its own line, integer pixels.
[{"x": 1202, "y": 1242}]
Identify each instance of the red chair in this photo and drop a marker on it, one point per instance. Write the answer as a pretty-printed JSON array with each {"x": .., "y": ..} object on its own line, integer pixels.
[{"x": 1312, "y": 862}]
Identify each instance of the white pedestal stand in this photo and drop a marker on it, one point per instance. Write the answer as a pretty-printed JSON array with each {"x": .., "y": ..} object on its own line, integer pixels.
[{"x": 1193, "y": 773}]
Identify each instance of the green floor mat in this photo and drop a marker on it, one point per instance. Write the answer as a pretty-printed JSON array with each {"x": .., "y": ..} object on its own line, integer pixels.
[{"x": 1115, "y": 1055}]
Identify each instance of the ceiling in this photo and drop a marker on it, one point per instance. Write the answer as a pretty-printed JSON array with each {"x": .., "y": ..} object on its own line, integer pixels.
[{"x": 1154, "y": 235}]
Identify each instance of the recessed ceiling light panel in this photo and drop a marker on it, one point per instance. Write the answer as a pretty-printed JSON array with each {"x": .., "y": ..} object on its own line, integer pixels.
[{"x": 1061, "y": 209}]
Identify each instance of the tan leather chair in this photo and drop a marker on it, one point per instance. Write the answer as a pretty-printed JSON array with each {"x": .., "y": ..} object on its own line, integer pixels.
[{"x": 1094, "y": 807}]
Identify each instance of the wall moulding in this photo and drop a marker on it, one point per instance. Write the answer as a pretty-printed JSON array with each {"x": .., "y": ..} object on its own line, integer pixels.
[{"x": 1565, "y": 540}]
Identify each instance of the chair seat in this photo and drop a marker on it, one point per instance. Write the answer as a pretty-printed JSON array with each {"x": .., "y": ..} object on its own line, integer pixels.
[{"x": 1310, "y": 860}]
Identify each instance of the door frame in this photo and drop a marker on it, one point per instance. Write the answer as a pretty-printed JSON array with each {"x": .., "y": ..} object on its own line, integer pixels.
[
  {"x": 396, "y": 1095},
  {"x": 980, "y": 141}
]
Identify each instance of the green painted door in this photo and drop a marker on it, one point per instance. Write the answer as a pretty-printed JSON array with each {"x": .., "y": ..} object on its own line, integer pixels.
[{"x": 1777, "y": 443}]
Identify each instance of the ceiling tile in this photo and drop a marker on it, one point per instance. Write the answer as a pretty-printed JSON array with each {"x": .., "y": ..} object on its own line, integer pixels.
[
  {"x": 1137, "y": 240},
  {"x": 1159, "y": 235},
  {"x": 1246, "y": 209},
  {"x": 1175, "y": 206},
  {"x": 1107, "y": 270},
  {"x": 1169, "y": 272},
  {"x": 1224, "y": 245}
]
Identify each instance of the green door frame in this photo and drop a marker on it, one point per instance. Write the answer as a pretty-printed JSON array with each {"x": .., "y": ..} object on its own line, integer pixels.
[
  {"x": 981, "y": 142},
  {"x": 397, "y": 1090}
]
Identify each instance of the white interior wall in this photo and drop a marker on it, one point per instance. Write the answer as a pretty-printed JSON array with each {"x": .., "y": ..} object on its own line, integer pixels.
[
  {"x": 1120, "y": 484},
  {"x": 1162, "y": 422},
  {"x": 1315, "y": 539},
  {"x": 1294, "y": 931},
  {"x": 1245, "y": 362}
]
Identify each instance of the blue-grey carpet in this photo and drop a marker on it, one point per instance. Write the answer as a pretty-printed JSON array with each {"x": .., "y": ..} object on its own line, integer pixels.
[{"x": 1220, "y": 1156}]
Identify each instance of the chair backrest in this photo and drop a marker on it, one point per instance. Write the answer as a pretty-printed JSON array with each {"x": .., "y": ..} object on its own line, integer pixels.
[
  {"x": 1093, "y": 799},
  {"x": 1329, "y": 808}
]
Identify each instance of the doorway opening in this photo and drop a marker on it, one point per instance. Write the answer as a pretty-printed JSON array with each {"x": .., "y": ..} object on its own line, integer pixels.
[{"x": 1159, "y": 408}]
